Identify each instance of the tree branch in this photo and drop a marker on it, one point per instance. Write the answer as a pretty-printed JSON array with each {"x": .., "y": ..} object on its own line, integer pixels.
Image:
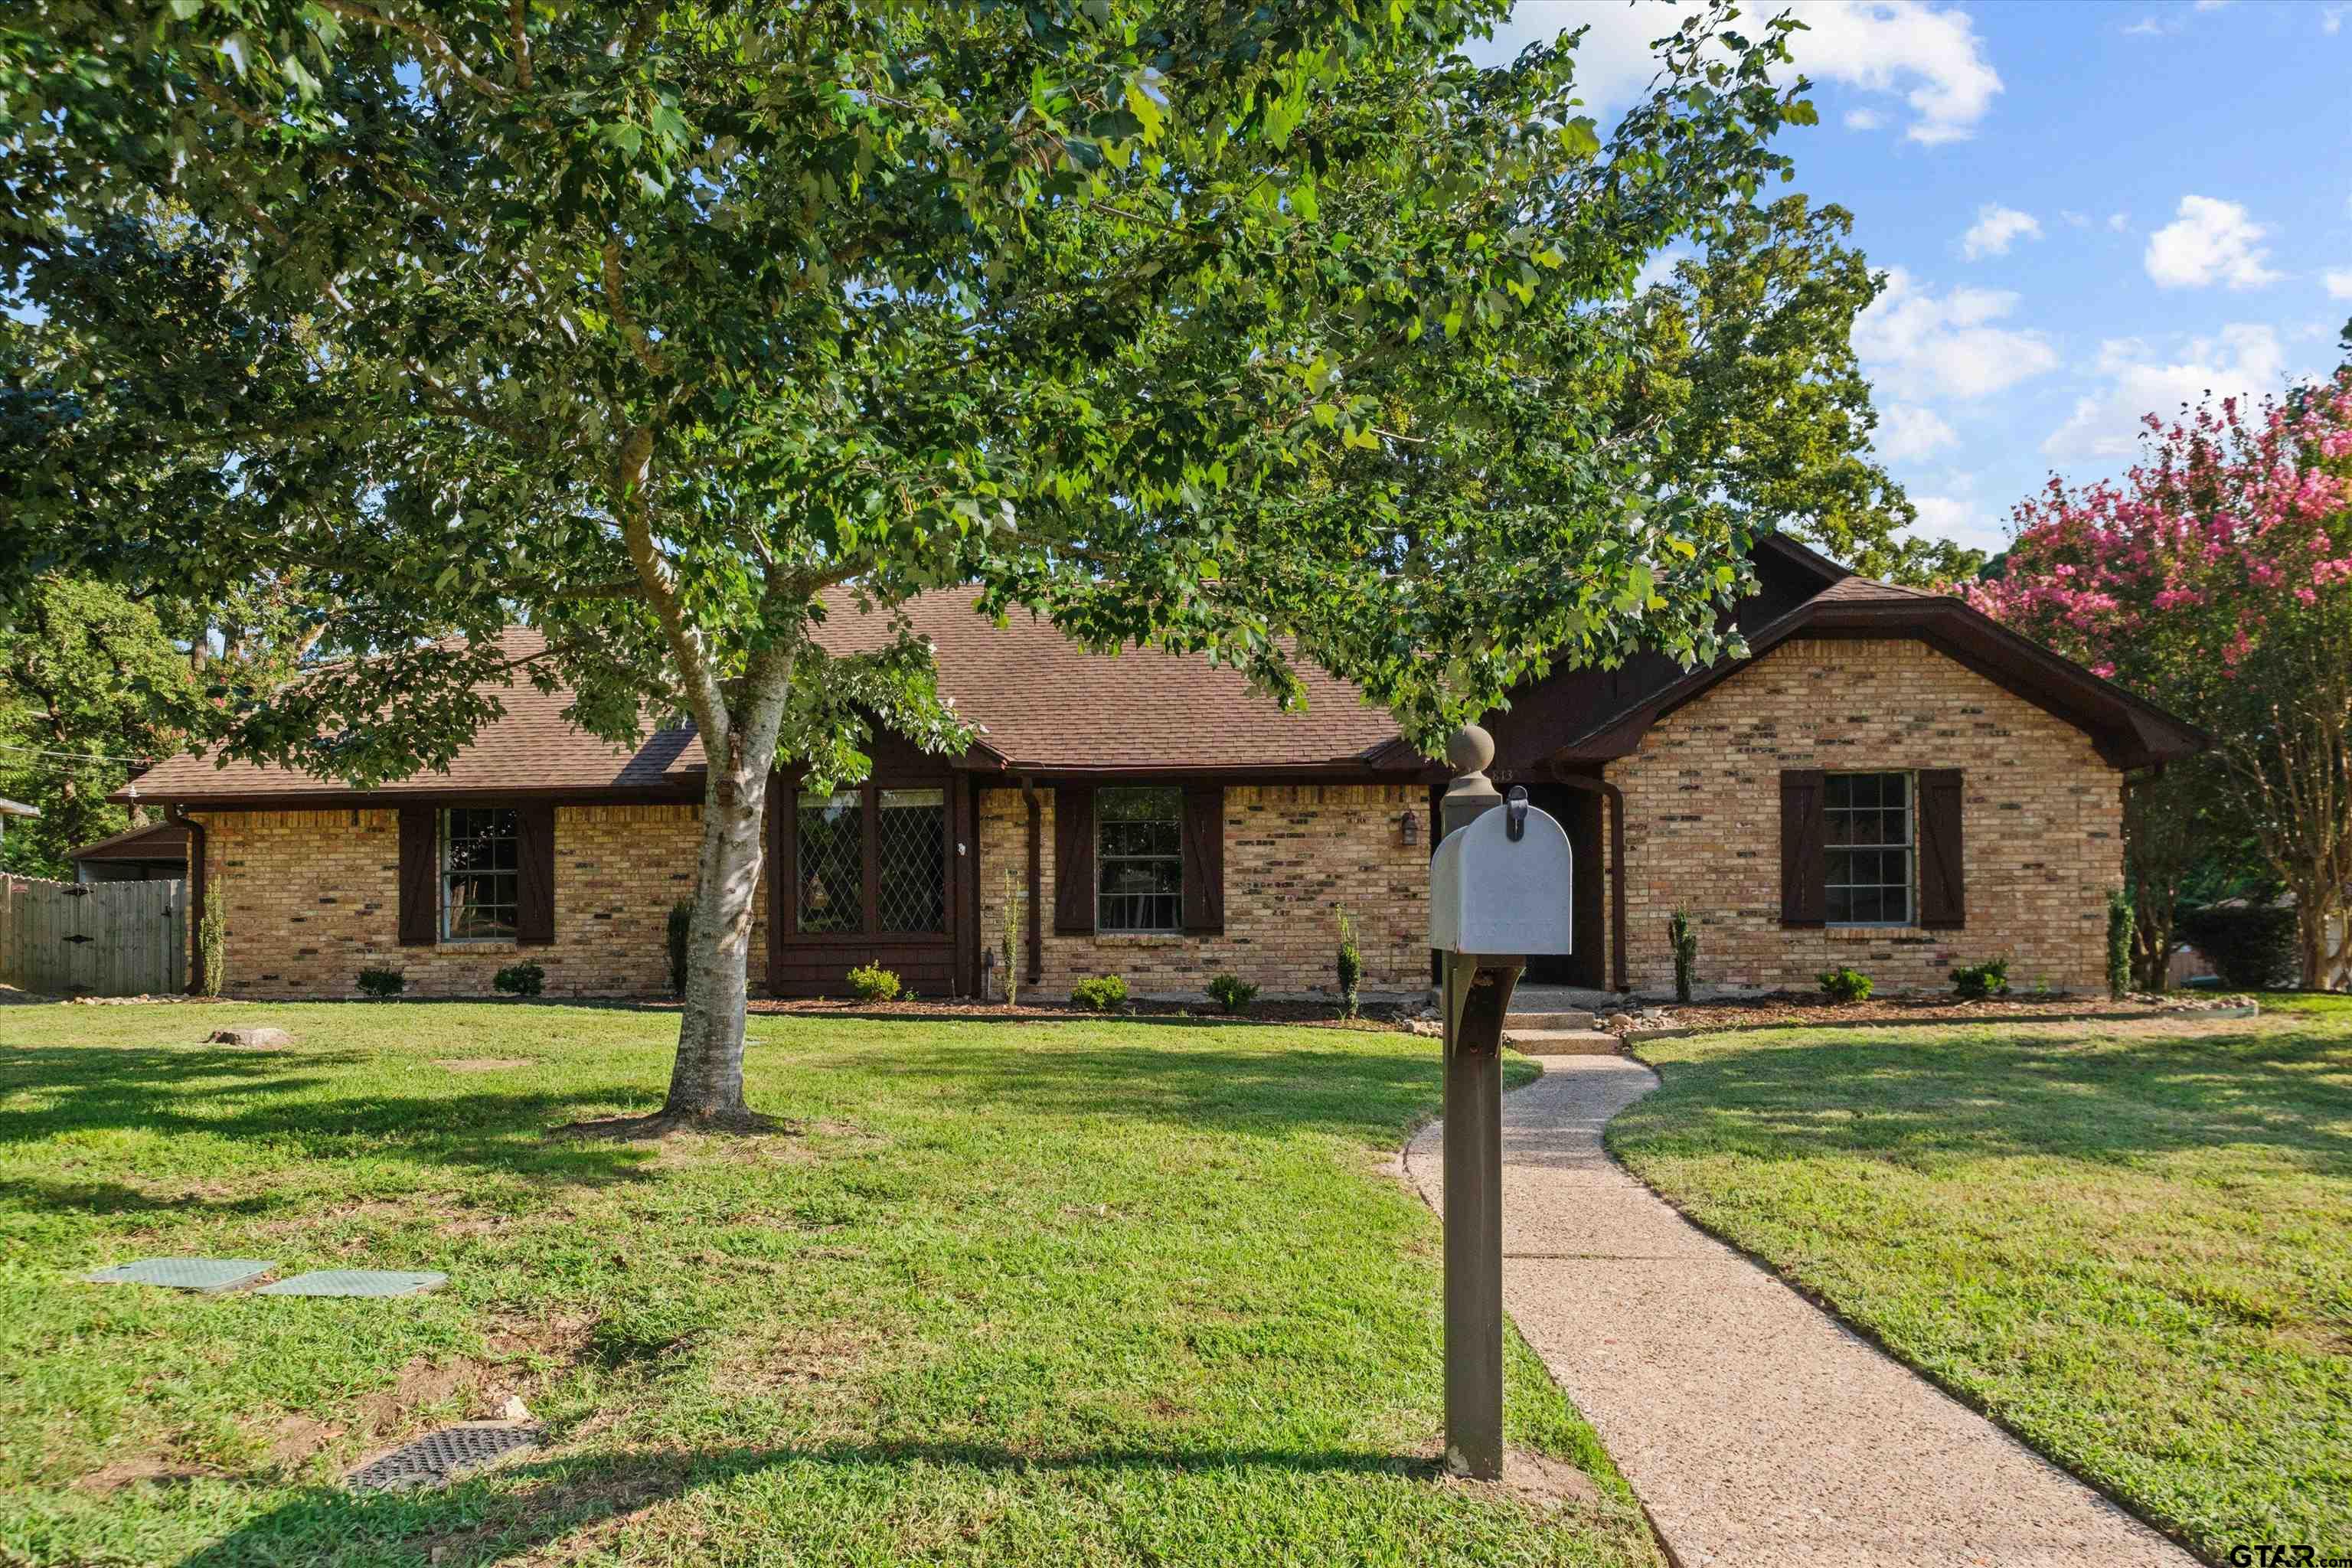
[{"x": 632, "y": 480}]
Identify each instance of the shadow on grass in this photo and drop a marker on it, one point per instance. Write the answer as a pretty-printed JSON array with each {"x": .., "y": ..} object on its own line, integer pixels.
[
  {"x": 272, "y": 1097},
  {"x": 2087, "y": 1093},
  {"x": 492, "y": 1519},
  {"x": 290, "y": 1102}
]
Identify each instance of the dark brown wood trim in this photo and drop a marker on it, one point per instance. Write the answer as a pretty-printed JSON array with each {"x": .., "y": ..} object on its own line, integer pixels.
[
  {"x": 1036, "y": 965},
  {"x": 199, "y": 892}
]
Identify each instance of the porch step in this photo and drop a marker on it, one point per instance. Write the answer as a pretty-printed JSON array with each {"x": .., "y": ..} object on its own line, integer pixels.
[
  {"x": 1561, "y": 1018},
  {"x": 1562, "y": 1042}
]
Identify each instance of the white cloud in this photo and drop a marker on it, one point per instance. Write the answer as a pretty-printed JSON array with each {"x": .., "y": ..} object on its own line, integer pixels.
[
  {"x": 2075, "y": 219},
  {"x": 2331, "y": 19},
  {"x": 1864, "y": 120},
  {"x": 1959, "y": 519},
  {"x": 1920, "y": 346},
  {"x": 1927, "y": 53},
  {"x": 1906, "y": 434},
  {"x": 2209, "y": 241},
  {"x": 2339, "y": 282},
  {"x": 2241, "y": 360},
  {"x": 1996, "y": 229},
  {"x": 2151, "y": 28},
  {"x": 2118, "y": 222}
]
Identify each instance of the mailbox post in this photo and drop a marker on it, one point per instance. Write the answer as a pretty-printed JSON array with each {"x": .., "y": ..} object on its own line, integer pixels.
[{"x": 1498, "y": 891}]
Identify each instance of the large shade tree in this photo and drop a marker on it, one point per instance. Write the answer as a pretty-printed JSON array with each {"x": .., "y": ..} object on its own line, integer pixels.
[{"x": 1270, "y": 330}]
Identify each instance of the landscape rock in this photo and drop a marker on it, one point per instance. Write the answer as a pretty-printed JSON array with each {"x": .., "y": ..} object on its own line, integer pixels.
[{"x": 259, "y": 1039}]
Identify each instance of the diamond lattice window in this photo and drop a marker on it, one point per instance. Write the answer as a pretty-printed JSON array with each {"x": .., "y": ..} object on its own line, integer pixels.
[
  {"x": 910, "y": 871},
  {"x": 831, "y": 862}
]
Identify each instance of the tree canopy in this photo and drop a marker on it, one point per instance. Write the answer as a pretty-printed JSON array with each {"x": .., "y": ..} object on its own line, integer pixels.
[{"x": 1244, "y": 328}]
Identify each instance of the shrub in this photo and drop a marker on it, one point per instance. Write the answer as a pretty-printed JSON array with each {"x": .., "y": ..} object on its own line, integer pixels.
[
  {"x": 681, "y": 930},
  {"x": 2121, "y": 923},
  {"x": 520, "y": 980},
  {"x": 1976, "y": 982},
  {"x": 1016, "y": 900},
  {"x": 383, "y": 982},
  {"x": 872, "y": 983},
  {"x": 212, "y": 942},
  {"x": 1100, "y": 993},
  {"x": 1351, "y": 964},
  {"x": 1845, "y": 984},
  {"x": 1232, "y": 991},
  {"x": 2251, "y": 946},
  {"x": 1683, "y": 937}
]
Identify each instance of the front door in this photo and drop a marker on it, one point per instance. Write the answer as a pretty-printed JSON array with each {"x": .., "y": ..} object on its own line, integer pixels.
[{"x": 1579, "y": 811}]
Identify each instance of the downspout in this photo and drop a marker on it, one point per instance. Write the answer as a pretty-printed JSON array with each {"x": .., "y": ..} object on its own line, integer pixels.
[
  {"x": 199, "y": 888},
  {"x": 1036, "y": 965}
]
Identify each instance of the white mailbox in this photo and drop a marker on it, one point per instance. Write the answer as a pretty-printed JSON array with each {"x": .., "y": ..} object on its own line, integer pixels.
[{"x": 1492, "y": 890}]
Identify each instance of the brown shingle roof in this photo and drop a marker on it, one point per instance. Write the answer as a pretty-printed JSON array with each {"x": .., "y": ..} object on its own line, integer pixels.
[
  {"x": 1044, "y": 703},
  {"x": 1048, "y": 703}
]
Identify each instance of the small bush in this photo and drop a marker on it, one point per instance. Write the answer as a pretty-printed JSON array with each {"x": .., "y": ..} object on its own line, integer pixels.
[
  {"x": 1351, "y": 965},
  {"x": 2250, "y": 946},
  {"x": 1683, "y": 937},
  {"x": 1976, "y": 982},
  {"x": 1232, "y": 991},
  {"x": 383, "y": 982},
  {"x": 520, "y": 980},
  {"x": 2121, "y": 929},
  {"x": 1845, "y": 984},
  {"x": 872, "y": 983},
  {"x": 681, "y": 932},
  {"x": 212, "y": 942},
  {"x": 1100, "y": 993}
]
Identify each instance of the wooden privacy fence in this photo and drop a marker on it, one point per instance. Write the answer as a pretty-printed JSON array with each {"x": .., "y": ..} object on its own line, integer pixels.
[{"x": 98, "y": 938}]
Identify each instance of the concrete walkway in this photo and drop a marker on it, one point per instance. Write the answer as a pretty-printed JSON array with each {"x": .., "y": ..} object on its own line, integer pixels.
[{"x": 1755, "y": 1428}]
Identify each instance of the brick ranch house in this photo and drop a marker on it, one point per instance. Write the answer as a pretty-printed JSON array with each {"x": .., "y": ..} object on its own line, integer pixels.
[{"x": 1891, "y": 780}]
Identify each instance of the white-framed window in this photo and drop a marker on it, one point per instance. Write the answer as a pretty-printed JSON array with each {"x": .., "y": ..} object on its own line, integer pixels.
[
  {"x": 1871, "y": 833},
  {"x": 1140, "y": 859},
  {"x": 480, "y": 873}
]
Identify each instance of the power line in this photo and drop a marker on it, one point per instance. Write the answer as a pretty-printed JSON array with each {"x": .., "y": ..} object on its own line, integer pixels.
[{"x": 77, "y": 756}]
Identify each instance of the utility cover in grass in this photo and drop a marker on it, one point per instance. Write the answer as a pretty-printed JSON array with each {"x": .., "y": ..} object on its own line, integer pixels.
[
  {"x": 439, "y": 1458},
  {"x": 184, "y": 1273},
  {"x": 357, "y": 1282}
]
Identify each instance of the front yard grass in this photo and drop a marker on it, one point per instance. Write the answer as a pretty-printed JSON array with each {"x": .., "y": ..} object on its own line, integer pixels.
[
  {"x": 2131, "y": 1244},
  {"x": 1017, "y": 1293}
]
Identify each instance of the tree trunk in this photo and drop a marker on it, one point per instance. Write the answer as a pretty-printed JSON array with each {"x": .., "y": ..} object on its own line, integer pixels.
[{"x": 707, "y": 1084}]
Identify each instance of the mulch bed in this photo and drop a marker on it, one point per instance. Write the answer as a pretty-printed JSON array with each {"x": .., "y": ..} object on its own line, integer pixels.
[
  {"x": 1793, "y": 1007},
  {"x": 1382, "y": 1015}
]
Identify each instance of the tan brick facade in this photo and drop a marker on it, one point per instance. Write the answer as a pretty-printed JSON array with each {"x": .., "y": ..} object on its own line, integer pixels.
[
  {"x": 1294, "y": 855},
  {"x": 312, "y": 899},
  {"x": 2042, "y": 834}
]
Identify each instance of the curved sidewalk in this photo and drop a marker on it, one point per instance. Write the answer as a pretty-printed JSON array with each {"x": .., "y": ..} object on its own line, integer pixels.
[{"x": 1755, "y": 1428}]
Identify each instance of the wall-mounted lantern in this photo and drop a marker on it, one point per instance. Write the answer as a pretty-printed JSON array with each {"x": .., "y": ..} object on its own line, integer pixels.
[{"x": 1409, "y": 828}]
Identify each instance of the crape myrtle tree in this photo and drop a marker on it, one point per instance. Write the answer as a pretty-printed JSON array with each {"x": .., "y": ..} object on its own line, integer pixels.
[
  {"x": 1270, "y": 331},
  {"x": 2216, "y": 577}
]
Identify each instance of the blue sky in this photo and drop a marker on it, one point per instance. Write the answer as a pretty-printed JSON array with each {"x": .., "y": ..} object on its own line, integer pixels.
[{"x": 2088, "y": 210}]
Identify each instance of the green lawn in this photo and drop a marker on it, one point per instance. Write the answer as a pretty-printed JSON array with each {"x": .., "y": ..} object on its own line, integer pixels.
[
  {"x": 2132, "y": 1244},
  {"x": 1017, "y": 1293}
]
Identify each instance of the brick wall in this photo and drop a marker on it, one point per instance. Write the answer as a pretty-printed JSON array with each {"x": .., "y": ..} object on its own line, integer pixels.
[
  {"x": 1294, "y": 854},
  {"x": 312, "y": 899},
  {"x": 2042, "y": 834}
]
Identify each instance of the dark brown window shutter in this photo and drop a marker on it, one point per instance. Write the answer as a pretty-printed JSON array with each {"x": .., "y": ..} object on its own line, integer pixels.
[
  {"x": 1804, "y": 863},
  {"x": 420, "y": 876},
  {"x": 535, "y": 875},
  {"x": 1074, "y": 860},
  {"x": 1204, "y": 858},
  {"x": 783, "y": 822},
  {"x": 1943, "y": 890}
]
